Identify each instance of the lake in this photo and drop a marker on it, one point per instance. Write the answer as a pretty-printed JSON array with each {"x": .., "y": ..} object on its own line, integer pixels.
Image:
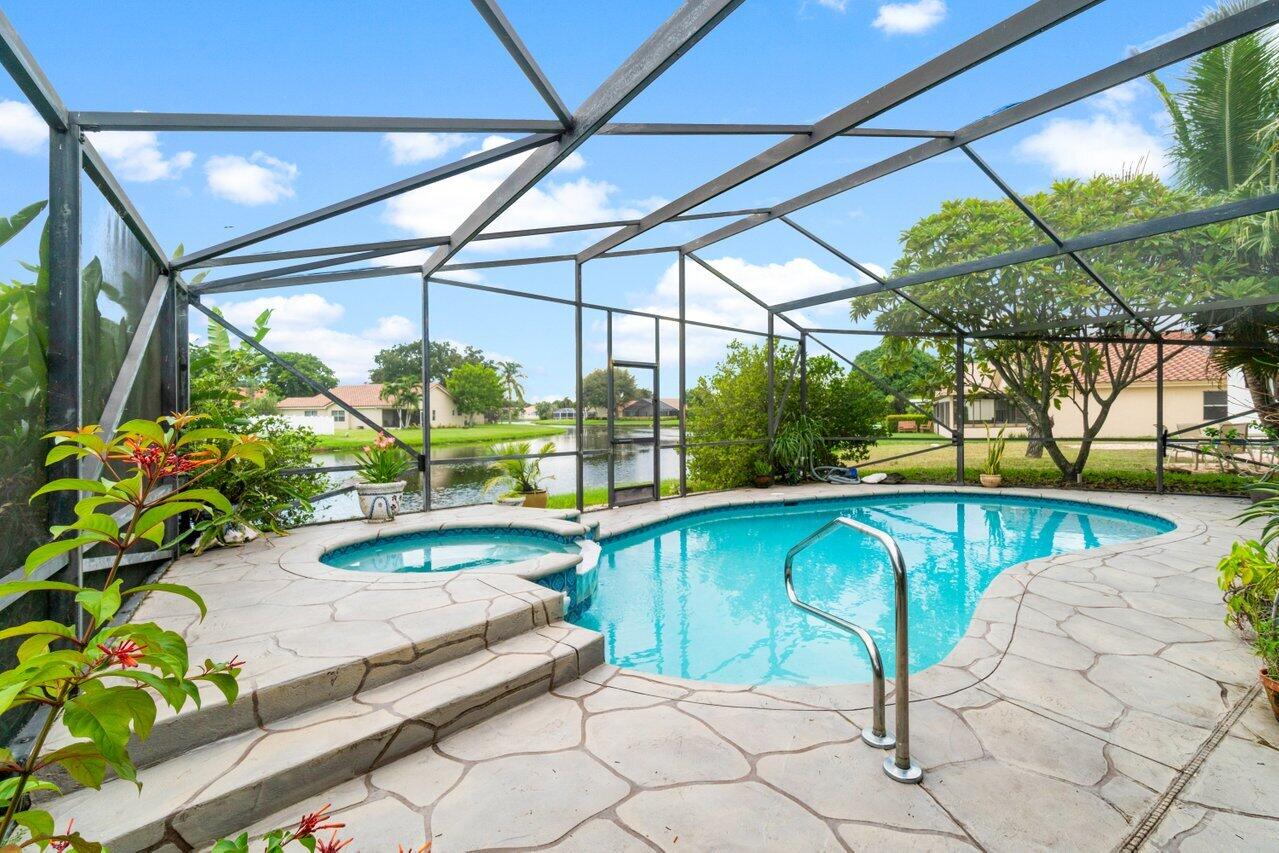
[{"x": 462, "y": 483}]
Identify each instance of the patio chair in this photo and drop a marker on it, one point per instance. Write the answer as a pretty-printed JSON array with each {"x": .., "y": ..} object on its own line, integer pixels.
[{"x": 1190, "y": 436}]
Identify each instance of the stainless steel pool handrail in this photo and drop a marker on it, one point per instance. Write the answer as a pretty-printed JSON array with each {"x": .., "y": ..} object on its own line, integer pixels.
[{"x": 898, "y": 766}]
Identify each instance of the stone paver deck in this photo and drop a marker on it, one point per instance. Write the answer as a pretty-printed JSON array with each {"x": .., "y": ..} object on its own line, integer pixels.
[{"x": 1085, "y": 686}]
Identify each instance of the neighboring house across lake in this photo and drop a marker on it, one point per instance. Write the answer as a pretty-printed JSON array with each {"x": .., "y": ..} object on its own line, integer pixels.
[
  {"x": 319, "y": 411},
  {"x": 668, "y": 407},
  {"x": 1195, "y": 391}
]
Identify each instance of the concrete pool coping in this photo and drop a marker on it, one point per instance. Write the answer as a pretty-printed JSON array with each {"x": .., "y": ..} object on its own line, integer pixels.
[{"x": 1114, "y": 664}]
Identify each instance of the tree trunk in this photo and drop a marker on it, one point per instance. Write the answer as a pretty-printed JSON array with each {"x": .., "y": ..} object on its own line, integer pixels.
[{"x": 1264, "y": 397}]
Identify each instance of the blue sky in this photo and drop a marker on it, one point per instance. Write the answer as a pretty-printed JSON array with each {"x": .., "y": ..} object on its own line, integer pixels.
[{"x": 771, "y": 61}]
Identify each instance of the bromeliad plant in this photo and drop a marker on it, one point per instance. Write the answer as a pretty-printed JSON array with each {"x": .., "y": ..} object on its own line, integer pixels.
[
  {"x": 382, "y": 461},
  {"x": 97, "y": 679}
]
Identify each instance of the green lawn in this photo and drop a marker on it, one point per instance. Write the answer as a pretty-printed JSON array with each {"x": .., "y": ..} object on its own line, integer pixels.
[
  {"x": 354, "y": 439},
  {"x": 668, "y": 422},
  {"x": 599, "y": 496}
]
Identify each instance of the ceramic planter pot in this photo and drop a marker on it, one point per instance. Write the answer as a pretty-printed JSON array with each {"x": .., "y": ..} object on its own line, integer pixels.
[
  {"x": 536, "y": 500},
  {"x": 1271, "y": 687},
  {"x": 992, "y": 481},
  {"x": 763, "y": 481},
  {"x": 380, "y": 501}
]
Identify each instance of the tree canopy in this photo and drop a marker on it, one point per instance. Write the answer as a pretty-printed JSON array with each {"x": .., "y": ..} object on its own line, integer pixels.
[
  {"x": 476, "y": 388},
  {"x": 282, "y": 383},
  {"x": 1040, "y": 377},
  {"x": 595, "y": 388},
  {"x": 916, "y": 374},
  {"x": 405, "y": 361},
  {"x": 732, "y": 404}
]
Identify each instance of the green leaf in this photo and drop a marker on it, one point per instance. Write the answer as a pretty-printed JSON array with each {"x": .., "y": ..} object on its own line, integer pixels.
[
  {"x": 9, "y": 787},
  {"x": 71, "y": 484},
  {"x": 209, "y": 496},
  {"x": 95, "y": 522},
  {"x": 205, "y": 434},
  {"x": 173, "y": 588},
  {"x": 139, "y": 426},
  {"x": 38, "y": 823},
  {"x": 33, "y": 647},
  {"x": 64, "y": 451},
  {"x": 20, "y": 587},
  {"x": 156, "y": 516},
  {"x": 226, "y": 683},
  {"x": 106, "y": 716},
  {"x": 240, "y": 844},
  {"x": 83, "y": 762},
  {"x": 10, "y": 227},
  {"x": 46, "y": 626},
  {"x": 48, "y": 552},
  {"x": 101, "y": 604}
]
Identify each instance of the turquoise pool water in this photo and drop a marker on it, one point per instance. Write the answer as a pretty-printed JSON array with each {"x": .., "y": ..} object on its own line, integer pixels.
[
  {"x": 702, "y": 596},
  {"x": 446, "y": 550}
]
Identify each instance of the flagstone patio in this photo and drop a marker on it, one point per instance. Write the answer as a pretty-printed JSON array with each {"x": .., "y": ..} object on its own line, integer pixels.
[{"x": 1092, "y": 693}]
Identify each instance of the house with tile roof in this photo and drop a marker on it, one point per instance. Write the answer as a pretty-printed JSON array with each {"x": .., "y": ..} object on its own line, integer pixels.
[
  {"x": 1195, "y": 391},
  {"x": 369, "y": 401}
]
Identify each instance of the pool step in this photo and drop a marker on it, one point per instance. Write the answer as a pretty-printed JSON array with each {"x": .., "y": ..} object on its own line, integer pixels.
[
  {"x": 193, "y": 798},
  {"x": 305, "y": 683}
]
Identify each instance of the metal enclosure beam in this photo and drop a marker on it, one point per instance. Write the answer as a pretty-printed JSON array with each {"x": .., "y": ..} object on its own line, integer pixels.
[
  {"x": 1196, "y": 41},
  {"x": 26, "y": 72},
  {"x": 505, "y": 32},
  {"x": 393, "y": 246},
  {"x": 1097, "y": 240},
  {"x": 431, "y": 176},
  {"x": 96, "y": 120},
  {"x": 1007, "y": 33},
  {"x": 64, "y": 399},
  {"x": 690, "y": 23}
]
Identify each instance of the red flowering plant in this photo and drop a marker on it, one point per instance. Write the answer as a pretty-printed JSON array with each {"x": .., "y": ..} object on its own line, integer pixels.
[
  {"x": 305, "y": 834},
  {"x": 102, "y": 680}
]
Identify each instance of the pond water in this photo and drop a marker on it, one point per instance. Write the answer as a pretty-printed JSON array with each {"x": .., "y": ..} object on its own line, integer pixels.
[{"x": 462, "y": 483}]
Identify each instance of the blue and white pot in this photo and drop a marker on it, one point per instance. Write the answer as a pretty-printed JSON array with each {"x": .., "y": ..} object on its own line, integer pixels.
[{"x": 380, "y": 501}]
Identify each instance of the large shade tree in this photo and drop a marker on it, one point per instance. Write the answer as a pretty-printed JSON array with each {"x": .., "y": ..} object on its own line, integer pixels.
[
  {"x": 405, "y": 361},
  {"x": 595, "y": 388},
  {"x": 1041, "y": 377},
  {"x": 477, "y": 389},
  {"x": 282, "y": 383}
]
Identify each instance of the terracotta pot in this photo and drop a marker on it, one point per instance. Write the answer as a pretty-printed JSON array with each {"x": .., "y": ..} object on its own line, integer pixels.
[
  {"x": 1272, "y": 691},
  {"x": 535, "y": 500},
  {"x": 380, "y": 501},
  {"x": 763, "y": 481},
  {"x": 991, "y": 481}
]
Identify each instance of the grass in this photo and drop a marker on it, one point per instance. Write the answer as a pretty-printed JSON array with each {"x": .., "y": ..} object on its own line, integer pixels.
[
  {"x": 1107, "y": 469},
  {"x": 354, "y": 439},
  {"x": 599, "y": 496},
  {"x": 604, "y": 421}
]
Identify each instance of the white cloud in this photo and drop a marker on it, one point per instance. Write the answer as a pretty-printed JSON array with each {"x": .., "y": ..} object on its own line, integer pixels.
[
  {"x": 1103, "y": 144},
  {"x": 419, "y": 147},
  {"x": 910, "y": 18},
  {"x": 711, "y": 300},
  {"x": 441, "y": 207},
  {"x": 304, "y": 323},
  {"x": 21, "y": 128},
  {"x": 258, "y": 179},
  {"x": 136, "y": 156},
  {"x": 837, "y": 5}
]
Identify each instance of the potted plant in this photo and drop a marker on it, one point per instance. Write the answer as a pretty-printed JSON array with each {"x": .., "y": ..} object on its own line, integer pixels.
[
  {"x": 761, "y": 473},
  {"x": 380, "y": 466},
  {"x": 991, "y": 476},
  {"x": 1266, "y": 646},
  {"x": 797, "y": 447},
  {"x": 520, "y": 478}
]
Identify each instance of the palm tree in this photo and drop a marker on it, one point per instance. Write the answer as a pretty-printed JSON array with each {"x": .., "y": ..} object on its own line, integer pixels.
[
  {"x": 405, "y": 393},
  {"x": 1225, "y": 141},
  {"x": 512, "y": 372}
]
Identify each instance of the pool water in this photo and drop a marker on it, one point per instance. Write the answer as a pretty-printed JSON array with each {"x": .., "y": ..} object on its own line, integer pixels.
[
  {"x": 702, "y": 596},
  {"x": 446, "y": 551}
]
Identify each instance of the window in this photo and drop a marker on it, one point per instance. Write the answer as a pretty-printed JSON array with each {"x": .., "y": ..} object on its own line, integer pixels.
[
  {"x": 433, "y": 416},
  {"x": 1215, "y": 405},
  {"x": 310, "y": 413},
  {"x": 339, "y": 416}
]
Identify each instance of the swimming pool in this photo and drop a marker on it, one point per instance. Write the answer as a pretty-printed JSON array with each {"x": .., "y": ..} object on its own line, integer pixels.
[
  {"x": 447, "y": 550},
  {"x": 701, "y": 596}
]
